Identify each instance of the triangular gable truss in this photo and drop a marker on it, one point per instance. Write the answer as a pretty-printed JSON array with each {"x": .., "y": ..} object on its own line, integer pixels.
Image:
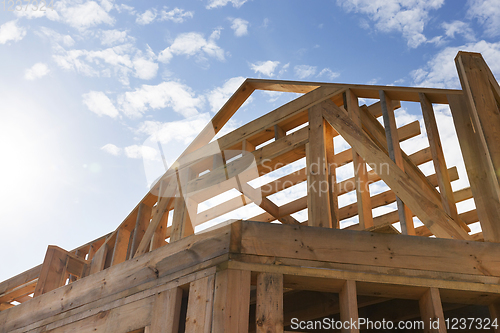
[
  {"x": 306, "y": 127},
  {"x": 322, "y": 105}
]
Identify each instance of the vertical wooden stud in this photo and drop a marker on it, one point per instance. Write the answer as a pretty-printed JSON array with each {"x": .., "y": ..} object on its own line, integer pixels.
[
  {"x": 332, "y": 174},
  {"x": 53, "y": 272},
  {"x": 269, "y": 312},
  {"x": 479, "y": 168},
  {"x": 200, "y": 305},
  {"x": 391, "y": 132},
  {"x": 231, "y": 301},
  {"x": 318, "y": 191},
  {"x": 431, "y": 311},
  {"x": 99, "y": 259},
  {"x": 142, "y": 223},
  {"x": 360, "y": 170},
  {"x": 348, "y": 301},
  {"x": 278, "y": 132},
  {"x": 184, "y": 208},
  {"x": 247, "y": 147},
  {"x": 121, "y": 248},
  {"x": 484, "y": 111},
  {"x": 495, "y": 314},
  {"x": 443, "y": 177},
  {"x": 166, "y": 311}
]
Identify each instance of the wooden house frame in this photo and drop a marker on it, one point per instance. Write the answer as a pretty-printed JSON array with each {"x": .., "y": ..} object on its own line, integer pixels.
[{"x": 253, "y": 276}]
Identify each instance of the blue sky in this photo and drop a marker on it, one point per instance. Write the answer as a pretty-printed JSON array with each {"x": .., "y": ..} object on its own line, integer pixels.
[{"x": 84, "y": 84}]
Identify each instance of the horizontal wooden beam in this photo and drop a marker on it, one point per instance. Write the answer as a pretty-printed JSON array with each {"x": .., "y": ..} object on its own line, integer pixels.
[{"x": 409, "y": 94}]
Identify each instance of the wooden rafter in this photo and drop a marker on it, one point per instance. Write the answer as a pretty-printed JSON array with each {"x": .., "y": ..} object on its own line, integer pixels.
[{"x": 345, "y": 273}]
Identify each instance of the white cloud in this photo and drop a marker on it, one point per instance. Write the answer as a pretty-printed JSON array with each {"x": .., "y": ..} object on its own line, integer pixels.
[
  {"x": 304, "y": 71},
  {"x": 328, "y": 73},
  {"x": 100, "y": 104},
  {"x": 121, "y": 60},
  {"x": 147, "y": 17},
  {"x": 284, "y": 69},
  {"x": 265, "y": 67},
  {"x": 220, "y": 95},
  {"x": 488, "y": 13},
  {"x": 30, "y": 13},
  {"x": 406, "y": 16},
  {"x": 83, "y": 15},
  {"x": 221, "y": 3},
  {"x": 172, "y": 94},
  {"x": 145, "y": 69},
  {"x": 175, "y": 15},
  {"x": 273, "y": 95},
  {"x": 111, "y": 149},
  {"x": 144, "y": 152},
  {"x": 111, "y": 37},
  {"x": 458, "y": 27},
  {"x": 440, "y": 71},
  {"x": 239, "y": 26},
  {"x": 37, "y": 71},
  {"x": 10, "y": 31},
  {"x": 125, "y": 8},
  {"x": 193, "y": 44},
  {"x": 55, "y": 37},
  {"x": 183, "y": 131}
]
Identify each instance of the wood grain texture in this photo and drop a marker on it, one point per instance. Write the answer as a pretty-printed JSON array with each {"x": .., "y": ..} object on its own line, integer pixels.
[{"x": 269, "y": 313}]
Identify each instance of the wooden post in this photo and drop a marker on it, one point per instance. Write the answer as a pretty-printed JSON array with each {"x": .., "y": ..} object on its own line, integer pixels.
[
  {"x": 200, "y": 305},
  {"x": 318, "y": 191},
  {"x": 247, "y": 147},
  {"x": 269, "y": 313},
  {"x": 142, "y": 223},
  {"x": 479, "y": 170},
  {"x": 99, "y": 259},
  {"x": 484, "y": 110},
  {"x": 443, "y": 177},
  {"x": 121, "y": 246},
  {"x": 431, "y": 311},
  {"x": 184, "y": 208},
  {"x": 348, "y": 301},
  {"x": 166, "y": 311},
  {"x": 231, "y": 301},
  {"x": 360, "y": 171},
  {"x": 332, "y": 174},
  {"x": 278, "y": 132},
  {"x": 391, "y": 132},
  {"x": 160, "y": 233},
  {"x": 477, "y": 119},
  {"x": 53, "y": 272},
  {"x": 94, "y": 247},
  {"x": 495, "y": 314}
]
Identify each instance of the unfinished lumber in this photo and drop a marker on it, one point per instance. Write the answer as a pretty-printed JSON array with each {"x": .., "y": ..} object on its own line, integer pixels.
[
  {"x": 431, "y": 311},
  {"x": 360, "y": 170},
  {"x": 318, "y": 178},
  {"x": 480, "y": 169},
  {"x": 439, "y": 162},
  {"x": 269, "y": 313},
  {"x": 200, "y": 305},
  {"x": 231, "y": 301},
  {"x": 483, "y": 109},
  {"x": 395, "y": 153},
  {"x": 166, "y": 311},
  {"x": 141, "y": 225},
  {"x": 414, "y": 194},
  {"x": 349, "y": 306},
  {"x": 53, "y": 273}
]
